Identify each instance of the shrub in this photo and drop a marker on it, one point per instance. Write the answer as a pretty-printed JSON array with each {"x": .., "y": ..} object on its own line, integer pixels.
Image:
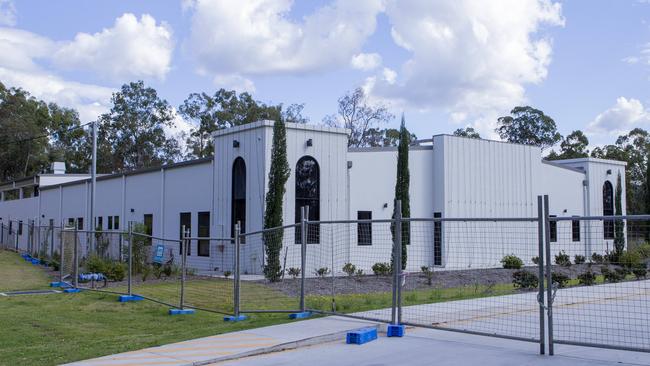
[
  {"x": 643, "y": 250},
  {"x": 117, "y": 272},
  {"x": 597, "y": 258},
  {"x": 95, "y": 264},
  {"x": 562, "y": 259},
  {"x": 359, "y": 273},
  {"x": 428, "y": 274},
  {"x": 322, "y": 272},
  {"x": 560, "y": 278},
  {"x": 579, "y": 259},
  {"x": 167, "y": 269},
  {"x": 350, "y": 269},
  {"x": 227, "y": 274},
  {"x": 511, "y": 261},
  {"x": 630, "y": 260},
  {"x": 381, "y": 269},
  {"x": 639, "y": 272},
  {"x": 587, "y": 278},
  {"x": 535, "y": 260},
  {"x": 293, "y": 272},
  {"x": 612, "y": 276},
  {"x": 525, "y": 280},
  {"x": 146, "y": 271}
]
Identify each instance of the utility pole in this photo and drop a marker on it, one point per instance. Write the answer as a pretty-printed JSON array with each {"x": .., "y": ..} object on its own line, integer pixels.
[{"x": 93, "y": 179}]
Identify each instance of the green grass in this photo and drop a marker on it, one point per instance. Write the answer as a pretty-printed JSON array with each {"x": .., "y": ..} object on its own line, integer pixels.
[{"x": 16, "y": 274}]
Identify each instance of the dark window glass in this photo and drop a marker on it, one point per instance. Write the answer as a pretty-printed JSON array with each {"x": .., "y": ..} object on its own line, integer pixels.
[
  {"x": 204, "y": 232},
  {"x": 608, "y": 210},
  {"x": 364, "y": 229},
  {"x": 80, "y": 223},
  {"x": 575, "y": 230},
  {"x": 11, "y": 227},
  {"x": 51, "y": 222},
  {"x": 437, "y": 240},
  {"x": 110, "y": 222},
  {"x": 71, "y": 222},
  {"x": 116, "y": 223},
  {"x": 36, "y": 191},
  {"x": 186, "y": 221},
  {"x": 148, "y": 227},
  {"x": 552, "y": 225},
  {"x": 308, "y": 194},
  {"x": 238, "y": 204},
  {"x": 100, "y": 223},
  {"x": 20, "y": 227}
]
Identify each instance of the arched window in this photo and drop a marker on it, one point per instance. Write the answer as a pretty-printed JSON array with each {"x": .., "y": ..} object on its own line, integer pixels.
[
  {"x": 308, "y": 194},
  {"x": 238, "y": 206},
  {"x": 608, "y": 210}
]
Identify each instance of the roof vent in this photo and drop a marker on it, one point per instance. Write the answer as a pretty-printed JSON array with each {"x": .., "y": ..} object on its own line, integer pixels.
[{"x": 58, "y": 167}]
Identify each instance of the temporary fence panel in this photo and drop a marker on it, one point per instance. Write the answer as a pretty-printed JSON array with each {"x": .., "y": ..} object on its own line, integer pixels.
[
  {"x": 67, "y": 251},
  {"x": 599, "y": 274},
  {"x": 100, "y": 259}
]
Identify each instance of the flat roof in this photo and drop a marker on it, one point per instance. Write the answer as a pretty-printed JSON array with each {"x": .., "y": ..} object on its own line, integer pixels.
[
  {"x": 594, "y": 160},
  {"x": 289, "y": 125}
]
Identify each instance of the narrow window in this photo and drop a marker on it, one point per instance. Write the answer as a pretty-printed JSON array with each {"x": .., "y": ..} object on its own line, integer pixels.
[
  {"x": 204, "y": 232},
  {"x": 364, "y": 229},
  {"x": 99, "y": 226},
  {"x": 20, "y": 227},
  {"x": 71, "y": 222},
  {"x": 80, "y": 223},
  {"x": 185, "y": 221},
  {"x": 238, "y": 204},
  {"x": 51, "y": 223},
  {"x": 11, "y": 226},
  {"x": 110, "y": 223},
  {"x": 437, "y": 240},
  {"x": 308, "y": 194},
  {"x": 148, "y": 227},
  {"x": 575, "y": 230},
  {"x": 552, "y": 225},
  {"x": 116, "y": 222},
  {"x": 608, "y": 210}
]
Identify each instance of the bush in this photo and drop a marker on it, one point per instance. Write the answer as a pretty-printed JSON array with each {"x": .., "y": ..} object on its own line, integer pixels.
[
  {"x": 630, "y": 260},
  {"x": 293, "y": 272},
  {"x": 597, "y": 258},
  {"x": 579, "y": 259},
  {"x": 643, "y": 250},
  {"x": 350, "y": 269},
  {"x": 322, "y": 272},
  {"x": 146, "y": 271},
  {"x": 535, "y": 260},
  {"x": 359, "y": 273},
  {"x": 117, "y": 272},
  {"x": 563, "y": 259},
  {"x": 511, "y": 261},
  {"x": 96, "y": 264},
  {"x": 588, "y": 278},
  {"x": 381, "y": 269},
  {"x": 227, "y": 274},
  {"x": 612, "y": 276},
  {"x": 525, "y": 280},
  {"x": 560, "y": 278},
  {"x": 428, "y": 273},
  {"x": 639, "y": 272}
]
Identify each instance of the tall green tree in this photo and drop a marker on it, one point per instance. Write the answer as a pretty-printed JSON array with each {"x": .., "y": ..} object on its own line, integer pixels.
[
  {"x": 573, "y": 146},
  {"x": 224, "y": 109},
  {"x": 468, "y": 132},
  {"x": 278, "y": 175},
  {"x": 529, "y": 126},
  {"x": 132, "y": 134},
  {"x": 402, "y": 185},
  {"x": 619, "y": 236}
]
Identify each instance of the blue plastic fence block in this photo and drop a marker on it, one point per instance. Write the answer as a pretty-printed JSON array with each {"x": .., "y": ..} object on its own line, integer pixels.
[
  {"x": 36, "y": 261},
  {"x": 301, "y": 315},
  {"x": 395, "y": 330},
  {"x": 129, "y": 298},
  {"x": 59, "y": 284},
  {"x": 361, "y": 336},
  {"x": 71, "y": 290},
  {"x": 181, "y": 311},
  {"x": 232, "y": 318}
]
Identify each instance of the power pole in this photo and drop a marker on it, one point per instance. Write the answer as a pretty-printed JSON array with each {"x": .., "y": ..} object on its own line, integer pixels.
[{"x": 93, "y": 178}]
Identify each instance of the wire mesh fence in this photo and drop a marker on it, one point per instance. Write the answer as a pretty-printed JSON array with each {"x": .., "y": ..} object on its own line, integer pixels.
[{"x": 599, "y": 269}]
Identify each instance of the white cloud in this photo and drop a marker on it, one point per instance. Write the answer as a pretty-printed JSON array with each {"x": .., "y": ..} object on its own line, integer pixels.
[
  {"x": 258, "y": 38},
  {"x": 470, "y": 58},
  {"x": 234, "y": 82},
  {"x": 625, "y": 115},
  {"x": 366, "y": 61},
  {"x": 7, "y": 13},
  {"x": 132, "y": 48}
]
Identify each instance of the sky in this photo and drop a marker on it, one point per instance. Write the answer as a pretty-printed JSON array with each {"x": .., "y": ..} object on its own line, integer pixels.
[{"x": 444, "y": 64}]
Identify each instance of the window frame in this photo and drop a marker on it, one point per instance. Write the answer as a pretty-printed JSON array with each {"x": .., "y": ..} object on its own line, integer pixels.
[
  {"x": 575, "y": 230},
  {"x": 203, "y": 231},
  {"x": 312, "y": 201},
  {"x": 552, "y": 227},
  {"x": 364, "y": 230},
  {"x": 188, "y": 225}
]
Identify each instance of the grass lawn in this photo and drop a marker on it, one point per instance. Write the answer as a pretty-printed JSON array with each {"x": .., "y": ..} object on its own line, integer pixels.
[{"x": 16, "y": 274}]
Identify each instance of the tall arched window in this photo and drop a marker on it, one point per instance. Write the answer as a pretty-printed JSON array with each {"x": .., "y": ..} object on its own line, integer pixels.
[
  {"x": 308, "y": 194},
  {"x": 238, "y": 206},
  {"x": 608, "y": 210}
]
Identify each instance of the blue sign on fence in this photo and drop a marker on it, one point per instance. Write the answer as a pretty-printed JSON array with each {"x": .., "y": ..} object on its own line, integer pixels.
[{"x": 160, "y": 252}]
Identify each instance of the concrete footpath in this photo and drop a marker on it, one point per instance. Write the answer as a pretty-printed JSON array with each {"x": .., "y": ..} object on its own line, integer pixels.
[{"x": 322, "y": 342}]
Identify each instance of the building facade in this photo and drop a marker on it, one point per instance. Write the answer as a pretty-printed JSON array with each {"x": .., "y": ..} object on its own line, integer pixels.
[{"x": 451, "y": 177}]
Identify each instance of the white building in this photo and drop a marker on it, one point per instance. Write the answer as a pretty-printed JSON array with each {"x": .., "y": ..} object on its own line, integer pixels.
[{"x": 451, "y": 177}]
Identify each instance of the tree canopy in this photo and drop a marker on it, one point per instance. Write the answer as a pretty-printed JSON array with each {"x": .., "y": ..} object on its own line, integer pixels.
[
  {"x": 575, "y": 145},
  {"x": 468, "y": 132},
  {"x": 529, "y": 126}
]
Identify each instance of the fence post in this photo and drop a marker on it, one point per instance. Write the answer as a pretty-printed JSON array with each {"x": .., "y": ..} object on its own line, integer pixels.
[
  {"x": 237, "y": 270},
  {"x": 397, "y": 261},
  {"x": 184, "y": 241},
  {"x": 61, "y": 248},
  {"x": 130, "y": 270},
  {"x": 540, "y": 265},
  {"x": 16, "y": 235},
  {"x": 75, "y": 271},
  {"x": 303, "y": 254},
  {"x": 549, "y": 278}
]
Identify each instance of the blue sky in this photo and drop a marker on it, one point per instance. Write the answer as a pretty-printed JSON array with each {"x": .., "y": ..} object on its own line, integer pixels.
[{"x": 445, "y": 64}]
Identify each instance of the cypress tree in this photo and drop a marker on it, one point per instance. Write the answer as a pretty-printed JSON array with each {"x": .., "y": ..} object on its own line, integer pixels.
[
  {"x": 619, "y": 236},
  {"x": 278, "y": 175},
  {"x": 402, "y": 184},
  {"x": 647, "y": 194}
]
